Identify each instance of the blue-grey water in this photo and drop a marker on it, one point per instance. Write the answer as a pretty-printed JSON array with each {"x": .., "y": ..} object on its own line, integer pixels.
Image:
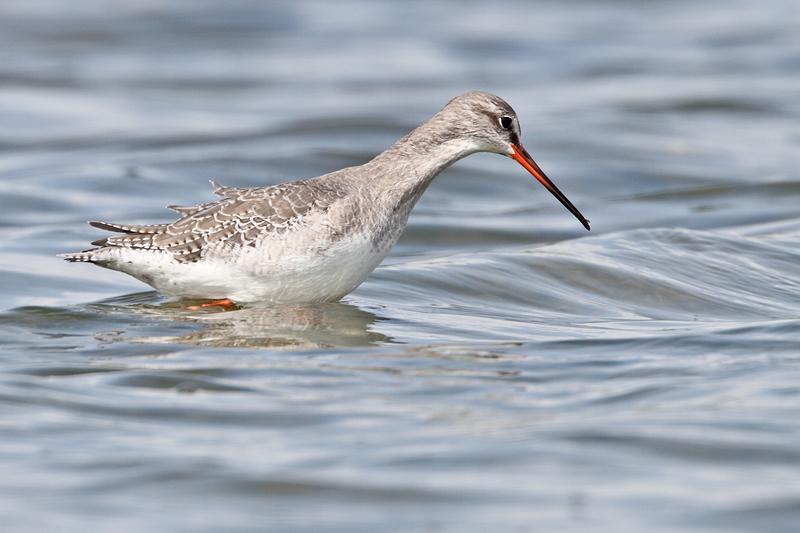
[{"x": 503, "y": 370}]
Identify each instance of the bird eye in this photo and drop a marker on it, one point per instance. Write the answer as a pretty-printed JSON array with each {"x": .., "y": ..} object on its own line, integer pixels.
[{"x": 505, "y": 122}]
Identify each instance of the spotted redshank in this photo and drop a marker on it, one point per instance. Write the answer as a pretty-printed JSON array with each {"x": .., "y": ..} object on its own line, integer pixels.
[{"x": 313, "y": 240}]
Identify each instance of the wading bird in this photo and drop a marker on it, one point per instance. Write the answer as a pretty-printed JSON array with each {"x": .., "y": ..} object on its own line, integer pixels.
[{"x": 313, "y": 240}]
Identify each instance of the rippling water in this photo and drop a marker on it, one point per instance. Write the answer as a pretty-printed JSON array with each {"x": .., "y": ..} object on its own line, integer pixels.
[{"x": 504, "y": 369}]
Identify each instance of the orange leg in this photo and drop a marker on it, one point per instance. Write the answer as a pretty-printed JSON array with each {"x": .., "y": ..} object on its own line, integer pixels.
[{"x": 225, "y": 303}]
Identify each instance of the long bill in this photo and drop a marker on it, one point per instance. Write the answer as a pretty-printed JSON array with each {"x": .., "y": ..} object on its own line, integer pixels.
[{"x": 522, "y": 157}]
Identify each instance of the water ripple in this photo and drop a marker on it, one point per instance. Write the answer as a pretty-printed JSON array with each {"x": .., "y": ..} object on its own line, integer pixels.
[{"x": 503, "y": 368}]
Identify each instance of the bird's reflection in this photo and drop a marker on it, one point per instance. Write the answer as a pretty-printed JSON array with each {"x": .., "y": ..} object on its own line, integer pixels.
[{"x": 321, "y": 325}]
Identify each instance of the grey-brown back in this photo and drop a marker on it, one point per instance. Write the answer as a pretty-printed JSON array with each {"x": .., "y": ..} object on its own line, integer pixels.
[{"x": 240, "y": 218}]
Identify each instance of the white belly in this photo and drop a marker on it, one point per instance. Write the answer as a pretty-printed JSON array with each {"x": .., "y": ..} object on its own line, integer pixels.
[{"x": 273, "y": 273}]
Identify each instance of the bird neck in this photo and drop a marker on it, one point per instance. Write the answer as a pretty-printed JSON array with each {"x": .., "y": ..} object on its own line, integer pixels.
[{"x": 405, "y": 170}]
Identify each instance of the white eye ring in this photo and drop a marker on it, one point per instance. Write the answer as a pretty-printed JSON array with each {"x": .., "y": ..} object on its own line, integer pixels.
[{"x": 505, "y": 122}]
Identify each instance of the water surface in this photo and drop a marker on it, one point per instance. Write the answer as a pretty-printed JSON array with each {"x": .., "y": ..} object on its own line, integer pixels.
[{"x": 504, "y": 369}]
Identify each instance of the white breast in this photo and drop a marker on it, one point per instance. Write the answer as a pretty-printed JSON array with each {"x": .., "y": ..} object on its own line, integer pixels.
[{"x": 278, "y": 270}]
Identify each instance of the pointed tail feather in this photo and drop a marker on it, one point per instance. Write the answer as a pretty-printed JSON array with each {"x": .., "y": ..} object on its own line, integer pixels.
[
  {"x": 79, "y": 257},
  {"x": 129, "y": 228}
]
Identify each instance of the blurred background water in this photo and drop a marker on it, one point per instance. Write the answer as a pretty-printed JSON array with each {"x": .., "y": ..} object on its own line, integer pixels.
[{"x": 503, "y": 370}]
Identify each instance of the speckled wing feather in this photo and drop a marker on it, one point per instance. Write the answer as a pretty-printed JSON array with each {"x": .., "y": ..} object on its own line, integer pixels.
[{"x": 240, "y": 218}]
